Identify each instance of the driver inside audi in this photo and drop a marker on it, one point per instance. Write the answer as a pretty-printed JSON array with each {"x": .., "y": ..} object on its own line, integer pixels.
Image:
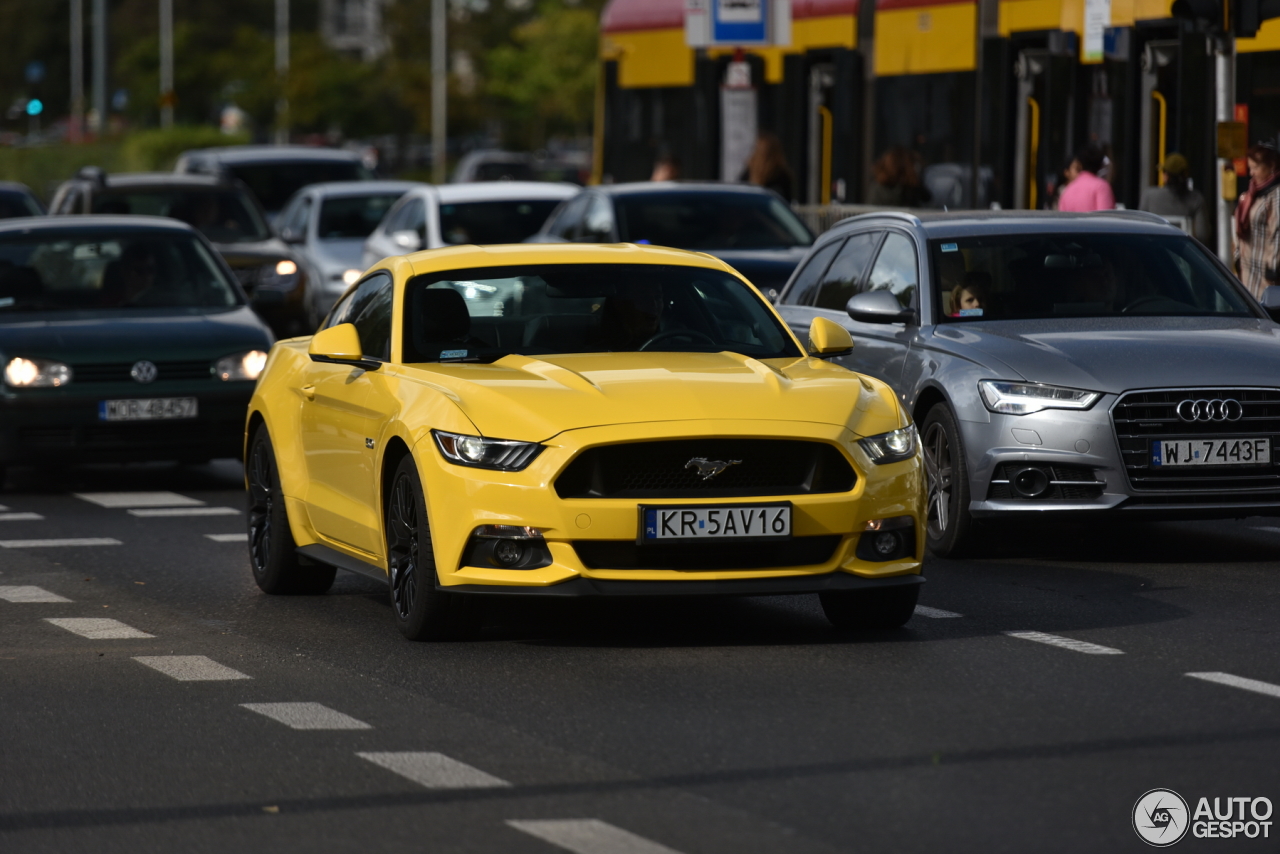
[{"x": 630, "y": 316}]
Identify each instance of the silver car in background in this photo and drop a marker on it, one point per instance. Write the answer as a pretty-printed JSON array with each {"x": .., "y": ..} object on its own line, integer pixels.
[{"x": 1058, "y": 363}]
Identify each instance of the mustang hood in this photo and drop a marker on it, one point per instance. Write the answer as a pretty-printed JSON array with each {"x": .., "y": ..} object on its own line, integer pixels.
[
  {"x": 1117, "y": 354},
  {"x": 520, "y": 397}
]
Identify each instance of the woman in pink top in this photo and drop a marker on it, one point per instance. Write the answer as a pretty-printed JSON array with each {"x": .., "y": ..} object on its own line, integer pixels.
[{"x": 1087, "y": 192}]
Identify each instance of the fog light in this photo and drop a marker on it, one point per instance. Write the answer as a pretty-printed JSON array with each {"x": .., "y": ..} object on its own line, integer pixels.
[
  {"x": 508, "y": 552},
  {"x": 886, "y": 543},
  {"x": 1030, "y": 482}
]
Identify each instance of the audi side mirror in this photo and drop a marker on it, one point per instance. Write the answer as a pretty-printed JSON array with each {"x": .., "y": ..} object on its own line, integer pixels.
[{"x": 878, "y": 307}]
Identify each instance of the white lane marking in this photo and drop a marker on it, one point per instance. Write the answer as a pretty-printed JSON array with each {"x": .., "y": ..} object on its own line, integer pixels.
[
  {"x": 306, "y": 716},
  {"x": 1066, "y": 643},
  {"x": 228, "y": 538},
  {"x": 71, "y": 541},
  {"x": 190, "y": 668},
  {"x": 589, "y": 836},
  {"x": 27, "y": 593},
  {"x": 1239, "y": 682},
  {"x": 20, "y": 517},
  {"x": 138, "y": 499},
  {"x": 936, "y": 613},
  {"x": 185, "y": 511},
  {"x": 97, "y": 628},
  {"x": 434, "y": 770}
]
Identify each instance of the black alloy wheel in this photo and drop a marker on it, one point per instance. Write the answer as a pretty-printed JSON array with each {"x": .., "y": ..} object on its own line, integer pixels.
[
  {"x": 879, "y": 608},
  {"x": 273, "y": 554},
  {"x": 949, "y": 527}
]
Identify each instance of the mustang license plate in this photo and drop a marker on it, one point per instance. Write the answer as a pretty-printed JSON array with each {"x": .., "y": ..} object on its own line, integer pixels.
[
  {"x": 710, "y": 522},
  {"x": 1254, "y": 451},
  {"x": 147, "y": 409}
]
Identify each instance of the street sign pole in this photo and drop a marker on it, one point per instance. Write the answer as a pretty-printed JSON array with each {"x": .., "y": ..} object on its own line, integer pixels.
[
  {"x": 439, "y": 92},
  {"x": 99, "y": 66},
  {"x": 76, "y": 129},
  {"x": 282, "y": 71},
  {"x": 166, "y": 63}
]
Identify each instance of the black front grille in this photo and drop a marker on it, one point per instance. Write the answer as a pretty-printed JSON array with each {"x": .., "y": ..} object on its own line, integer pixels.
[
  {"x": 666, "y": 469},
  {"x": 627, "y": 554},
  {"x": 1142, "y": 417},
  {"x": 118, "y": 372},
  {"x": 1066, "y": 483}
]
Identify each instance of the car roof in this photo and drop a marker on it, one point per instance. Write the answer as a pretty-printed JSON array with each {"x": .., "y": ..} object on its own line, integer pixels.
[
  {"x": 89, "y": 222},
  {"x": 234, "y": 154},
  {"x": 481, "y": 191},
  {"x": 942, "y": 224},
  {"x": 503, "y": 255},
  {"x": 160, "y": 179},
  {"x": 644, "y": 187},
  {"x": 15, "y": 187},
  {"x": 360, "y": 188}
]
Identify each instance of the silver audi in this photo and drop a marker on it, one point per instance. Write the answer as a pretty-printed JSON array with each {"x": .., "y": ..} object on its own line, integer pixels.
[{"x": 1058, "y": 363}]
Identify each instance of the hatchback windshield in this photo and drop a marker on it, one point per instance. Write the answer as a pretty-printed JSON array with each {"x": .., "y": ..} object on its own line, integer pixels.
[
  {"x": 484, "y": 314},
  {"x": 707, "y": 221},
  {"x": 345, "y": 217},
  {"x": 223, "y": 216},
  {"x": 507, "y": 221},
  {"x": 1027, "y": 276},
  {"x": 273, "y": 183},
  {"x": 85, "y": 270}
]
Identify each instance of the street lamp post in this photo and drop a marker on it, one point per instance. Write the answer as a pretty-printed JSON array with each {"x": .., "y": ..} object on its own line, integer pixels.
[
  {"x": 76, "y": 129},
  {"x": 99, "y": 65},
  {"x": 166, "y": 64},
  {"x": 282, "y": 71},
  {"x": 439, "y": 81}
]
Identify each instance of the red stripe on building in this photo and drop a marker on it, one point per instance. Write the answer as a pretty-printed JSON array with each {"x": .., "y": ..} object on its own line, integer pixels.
[{"x": 622, "y": 15}]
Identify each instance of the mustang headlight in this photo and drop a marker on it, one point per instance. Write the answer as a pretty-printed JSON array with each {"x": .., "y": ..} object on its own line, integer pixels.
[
  {"x": 1025, "y": 398},
  {"x": 892, "y": 447},
  {"x": 36, "y": 373},
  {"x": 241, "y": 366},
  {"x": 477, "y": 451}
]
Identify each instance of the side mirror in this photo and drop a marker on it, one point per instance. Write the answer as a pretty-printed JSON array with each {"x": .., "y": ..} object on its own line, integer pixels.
[
  {"x": 408, "y": 240},
  {"x": 878, "y": 307},
  {"x": 1271, "y": 301},
  {"x": 827, "y": 338},
  {"x": 340, "y": 345},
  {"x": 288, "y": 235},
  {"x": 772, "y": 295}
]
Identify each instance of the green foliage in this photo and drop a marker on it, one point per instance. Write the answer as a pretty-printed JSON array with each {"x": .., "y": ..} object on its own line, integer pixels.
[
  {"x": 158, "y": 149},
  {"x": 43, "y": 168}
]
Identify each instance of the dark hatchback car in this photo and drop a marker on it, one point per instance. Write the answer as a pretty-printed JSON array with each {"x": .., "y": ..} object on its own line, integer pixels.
[
  {"x": 223, "y": 210},
  {"x": 17, "y": 200},
  {"x": 750, "y": 228},
  {"x": 121, "y": 339}
]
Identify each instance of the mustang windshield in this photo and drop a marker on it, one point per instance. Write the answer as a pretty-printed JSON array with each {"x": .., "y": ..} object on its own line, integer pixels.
[
  {"x": 1024, "y": 276},
  {"x": 484, "y": 314},
  {"x": 103, "y": 271}
]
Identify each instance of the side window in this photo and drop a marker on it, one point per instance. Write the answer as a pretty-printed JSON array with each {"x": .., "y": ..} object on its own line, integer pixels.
[
  {"x": 895, "y": 269},
  {"x": 395, "y": 217},
  {"x": 415, "y": 219},
  {"x": 805, "y": 284},
  {"x": 845, "y": 273},
  {"x": 294, "y": 219},
  {"x": 368, "y": 307},
  {"x": 566, "y": 222},
  {"x": 597, "y": 225}
]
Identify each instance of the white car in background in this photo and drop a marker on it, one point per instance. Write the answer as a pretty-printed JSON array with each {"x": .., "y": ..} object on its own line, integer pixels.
[
  {"x": 327, "y": 224},
  {"x": 431, "y": 217}
]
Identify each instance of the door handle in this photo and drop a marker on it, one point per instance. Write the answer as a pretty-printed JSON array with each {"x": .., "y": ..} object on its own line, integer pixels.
[{"x": 309, "y": 392}]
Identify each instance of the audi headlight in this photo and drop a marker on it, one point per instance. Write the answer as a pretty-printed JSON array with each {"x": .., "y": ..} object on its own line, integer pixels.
[
  {"x": 241, "y": 366},
  {"x": 1025, "y": 398},
  {"x": 479, "y": 452},
  {"x": 892, "y": 447},
  {"x": 36, "y": 373}
]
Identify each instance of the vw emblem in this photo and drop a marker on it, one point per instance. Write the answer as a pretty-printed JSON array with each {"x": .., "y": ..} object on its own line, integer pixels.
[
  {"x": 144, "y": 371},
  {"x": 1210, "y": 410},
  {"x": 708, "y": 469}
]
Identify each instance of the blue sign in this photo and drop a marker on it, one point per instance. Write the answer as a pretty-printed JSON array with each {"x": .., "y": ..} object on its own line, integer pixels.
[{"x": 740, "y": 21}]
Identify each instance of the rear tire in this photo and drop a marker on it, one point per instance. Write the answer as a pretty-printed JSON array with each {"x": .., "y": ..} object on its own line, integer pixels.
[
  {"x": 273, "y": 553},
  {"x": 869, "y": 610},
  {"x": 421, "y": 611},
  {"x": 949, "y": 527}
]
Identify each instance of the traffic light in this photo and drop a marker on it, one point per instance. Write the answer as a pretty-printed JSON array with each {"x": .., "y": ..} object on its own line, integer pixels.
[
  {"x": 1242, "y": 18},
  {"x": 35, "y": 107}
]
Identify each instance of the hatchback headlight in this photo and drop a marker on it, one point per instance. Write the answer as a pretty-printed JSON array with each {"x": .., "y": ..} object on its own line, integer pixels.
[
  {"x": 36, "y": 373},
  {"x": 1009, "y": 398},
  {"x": 477, "y": 451},
  {"x": 279, "y": 275},
  {"x": 241, "y": 366},
  {"x": 892, "y": 447}
]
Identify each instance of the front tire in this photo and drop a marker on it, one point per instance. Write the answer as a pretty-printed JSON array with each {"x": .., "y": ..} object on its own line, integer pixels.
[
  {"x": 421, "y": 611},
  {"x": 949, "y": 527},
  {"x": 870, "y": 610},
  {"x": 273, "y": 553}
]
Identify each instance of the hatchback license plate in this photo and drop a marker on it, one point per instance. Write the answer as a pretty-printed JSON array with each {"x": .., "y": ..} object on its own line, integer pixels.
[
  {"x": 148, "y": 409},
  {"x": 710, "y": 522},
  {"x": 1253, "y": 451}
]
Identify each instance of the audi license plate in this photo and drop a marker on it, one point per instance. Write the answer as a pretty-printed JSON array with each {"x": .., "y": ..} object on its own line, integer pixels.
[
  {"x": 1253, "y": 451},
  {"x": 711, "y": 522},
  {"x": 147, "y": 409}
]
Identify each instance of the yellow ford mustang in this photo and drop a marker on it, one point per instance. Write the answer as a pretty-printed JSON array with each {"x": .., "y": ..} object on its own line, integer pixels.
[{"x": 578, "y": 420}]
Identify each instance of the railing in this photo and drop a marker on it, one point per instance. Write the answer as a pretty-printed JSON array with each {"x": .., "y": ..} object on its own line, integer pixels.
[{"x": 819, "y": 218}]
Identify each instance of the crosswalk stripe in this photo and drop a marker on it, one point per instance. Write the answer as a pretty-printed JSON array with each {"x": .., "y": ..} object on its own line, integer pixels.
[
  {"x": 1239, "y": 682},
  {"x": 68, "y": 541},
  {"x": 28, "y": 593},
  {"x": 936, "y": 613},
  {"x": 138, "y": 499},
  {"x": 1066, "y": 643},
  {"x": 20, "y": 517},
  {"x": 184, "y": 511},
  {"x": 97, "y": 628},
  {"x": 190, "y": 668},
  {"x": 434, "y": 770},
  {"x": 589, "y": 836},
  {"x": 306, "y": 716},
  {"x": 228, "y": 538}
]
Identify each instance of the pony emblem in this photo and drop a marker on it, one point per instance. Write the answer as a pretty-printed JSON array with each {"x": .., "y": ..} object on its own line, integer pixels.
[{"x": 708, "y": 469}]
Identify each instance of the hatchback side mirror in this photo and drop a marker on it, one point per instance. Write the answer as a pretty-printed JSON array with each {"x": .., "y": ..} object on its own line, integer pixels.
[
  {"x": 340, "y": 345},
  {"x": 827, "y": 338},
  {"x": 878, "y": 307},
  {"x": 288, "y": 235},
  {"x": 408, "y": 240},
  {"x": 1271, "y": 301}
]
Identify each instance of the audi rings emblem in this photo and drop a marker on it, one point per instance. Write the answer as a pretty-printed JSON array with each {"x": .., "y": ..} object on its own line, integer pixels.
[{"x": 1210, "y": 410}]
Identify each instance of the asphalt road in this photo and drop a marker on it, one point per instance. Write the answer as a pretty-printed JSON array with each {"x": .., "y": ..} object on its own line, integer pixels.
[{"x": 243, "y": 722}]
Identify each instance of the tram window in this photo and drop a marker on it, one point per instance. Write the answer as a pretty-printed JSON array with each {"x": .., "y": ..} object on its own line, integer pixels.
[
  {"x": 806, "y": 282},
  {"x": 842, "y": 279},
  {"x": 895, "y": 269}
]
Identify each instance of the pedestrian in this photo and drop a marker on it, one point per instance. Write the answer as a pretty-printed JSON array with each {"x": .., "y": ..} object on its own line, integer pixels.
[
  {"x": 1087, "y": 192},
  {"x": 896, "y": 181},
  {"x": 1176, "y": 198},
  {"x": 1061, "y": 180},
  {"x": 667, "y": 168},
  {"x": 1258, "y": 220},
  {"x": 767, "y": 167}
]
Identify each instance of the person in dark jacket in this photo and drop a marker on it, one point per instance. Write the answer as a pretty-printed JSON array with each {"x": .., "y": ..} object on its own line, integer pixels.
[
  {"x": 767, "y": 167},
  {"x": 896, "y": 181}
]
